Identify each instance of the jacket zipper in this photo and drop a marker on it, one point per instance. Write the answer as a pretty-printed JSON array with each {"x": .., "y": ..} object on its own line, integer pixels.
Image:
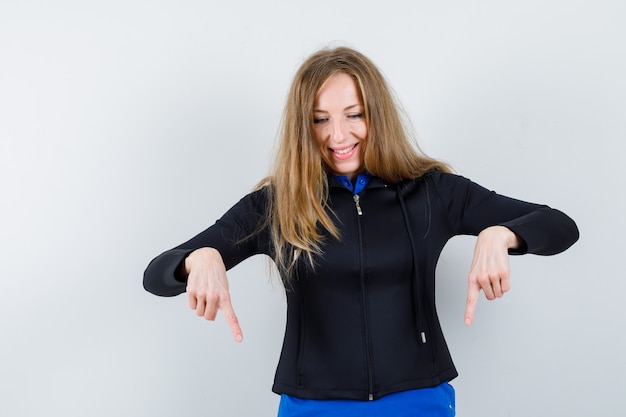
[
  {"x": 368, "y": 355},
  {"x": 357, "y": 200}
]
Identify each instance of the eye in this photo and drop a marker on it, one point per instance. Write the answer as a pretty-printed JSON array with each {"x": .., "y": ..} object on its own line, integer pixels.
[
  {"x": 355, "y": 116},
  {"x": 319, "y": 120}
]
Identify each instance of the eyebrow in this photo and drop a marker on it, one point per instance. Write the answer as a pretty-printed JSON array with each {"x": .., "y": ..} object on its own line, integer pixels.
[{"x": 347, "y": 108}]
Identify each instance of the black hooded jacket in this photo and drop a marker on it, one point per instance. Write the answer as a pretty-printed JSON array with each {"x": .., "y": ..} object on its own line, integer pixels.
[{"x": 363, "y": 322}]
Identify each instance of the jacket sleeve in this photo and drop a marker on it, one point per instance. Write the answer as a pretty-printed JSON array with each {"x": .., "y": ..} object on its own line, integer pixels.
[
  {"x": 472, "y": 208},
  {"x": 237, "y": 235}
]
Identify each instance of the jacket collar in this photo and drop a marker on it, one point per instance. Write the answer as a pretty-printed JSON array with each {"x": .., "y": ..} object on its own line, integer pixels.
[{"x": 374, "y": 182}]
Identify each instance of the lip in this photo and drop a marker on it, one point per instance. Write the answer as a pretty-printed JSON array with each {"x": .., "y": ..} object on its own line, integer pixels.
[
  {"x": 347, "y": 155},
  {"x": 345, "y": 147}
]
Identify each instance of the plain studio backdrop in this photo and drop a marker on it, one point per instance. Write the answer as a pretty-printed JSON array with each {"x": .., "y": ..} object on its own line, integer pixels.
[{"x": 127, "y": 127}]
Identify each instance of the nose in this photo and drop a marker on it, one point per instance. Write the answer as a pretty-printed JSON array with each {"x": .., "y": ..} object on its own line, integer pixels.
[{"x": 338, "y": 130}]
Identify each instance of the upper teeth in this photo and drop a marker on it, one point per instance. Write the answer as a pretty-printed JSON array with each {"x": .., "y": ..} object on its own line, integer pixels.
[{"x": 346, "y": 150}]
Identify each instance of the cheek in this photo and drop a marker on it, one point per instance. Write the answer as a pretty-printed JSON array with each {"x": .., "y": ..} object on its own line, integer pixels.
[
  {"x": 362, "y": 132},
  {"x": 319, "y": 136}
]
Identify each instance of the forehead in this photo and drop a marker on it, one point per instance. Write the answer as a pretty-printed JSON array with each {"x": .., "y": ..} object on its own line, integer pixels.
[{"x": 339, "y": 88}]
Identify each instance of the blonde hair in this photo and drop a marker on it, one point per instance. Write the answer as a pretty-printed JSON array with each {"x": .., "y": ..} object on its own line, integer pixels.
[{"x": 298, "y": 183}]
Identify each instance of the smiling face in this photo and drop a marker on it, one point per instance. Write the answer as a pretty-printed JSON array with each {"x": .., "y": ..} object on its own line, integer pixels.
[{"x": 339, "y": 125}]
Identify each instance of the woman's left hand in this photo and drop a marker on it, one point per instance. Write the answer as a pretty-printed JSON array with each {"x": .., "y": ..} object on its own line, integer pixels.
[{"x": 490, "y": 267}]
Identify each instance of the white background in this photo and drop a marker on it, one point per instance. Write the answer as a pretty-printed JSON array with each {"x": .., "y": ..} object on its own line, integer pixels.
[{"x": 128, "y": 126}]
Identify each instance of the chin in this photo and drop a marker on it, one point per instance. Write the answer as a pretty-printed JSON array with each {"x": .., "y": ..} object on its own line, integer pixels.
[{"x": 348, "y": 171}]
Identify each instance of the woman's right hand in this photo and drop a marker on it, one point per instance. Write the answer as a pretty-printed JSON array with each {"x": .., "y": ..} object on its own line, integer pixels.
[{"x": 207, "y": 287}]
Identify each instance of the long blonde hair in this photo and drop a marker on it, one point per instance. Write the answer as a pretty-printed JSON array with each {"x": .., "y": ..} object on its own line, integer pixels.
[{"x": 298, "y": 183}]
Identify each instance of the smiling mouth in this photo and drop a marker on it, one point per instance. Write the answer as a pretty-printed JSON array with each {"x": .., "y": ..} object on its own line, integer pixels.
[{"x": 345, "y": 150}]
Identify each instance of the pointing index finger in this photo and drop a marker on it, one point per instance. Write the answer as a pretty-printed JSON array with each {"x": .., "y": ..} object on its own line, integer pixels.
[
  {"x": 473, "y": 293},
  {"x": 232, "y": 320}
]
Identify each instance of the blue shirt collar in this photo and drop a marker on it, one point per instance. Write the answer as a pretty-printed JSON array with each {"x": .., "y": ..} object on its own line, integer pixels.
[{"x": 361, "y": 182}]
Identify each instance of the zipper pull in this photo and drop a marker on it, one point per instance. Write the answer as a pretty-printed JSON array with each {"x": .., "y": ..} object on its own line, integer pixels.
[{"x": 358, "y": 206}]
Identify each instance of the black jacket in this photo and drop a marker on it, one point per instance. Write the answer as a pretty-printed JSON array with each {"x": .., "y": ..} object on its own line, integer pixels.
[{"x": 363, "y": 323}]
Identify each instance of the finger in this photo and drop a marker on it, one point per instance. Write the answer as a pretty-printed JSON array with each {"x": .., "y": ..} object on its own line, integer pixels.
[
  {"x": 212, "y": 306},
  {"x": 191, "y": 297},
  {"x": 231, "y": 319},
  {"x": 503, "y": 283},
  {"x": 506, "y": 284},
  {"x": 473, "y": 292},
  {"x": 200, "y": 306},
  {"x": 486, "y": 284},
  {"x": 496, "y": 286}
]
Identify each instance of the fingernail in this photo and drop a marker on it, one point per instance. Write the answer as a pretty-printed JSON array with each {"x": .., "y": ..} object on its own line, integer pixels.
[
  {"x": 238, "y": 338},
  {"x": 468, "y": 322}
]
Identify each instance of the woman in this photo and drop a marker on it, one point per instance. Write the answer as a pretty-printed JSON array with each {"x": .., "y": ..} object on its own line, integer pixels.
[{"x": 355, "y": 218}]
